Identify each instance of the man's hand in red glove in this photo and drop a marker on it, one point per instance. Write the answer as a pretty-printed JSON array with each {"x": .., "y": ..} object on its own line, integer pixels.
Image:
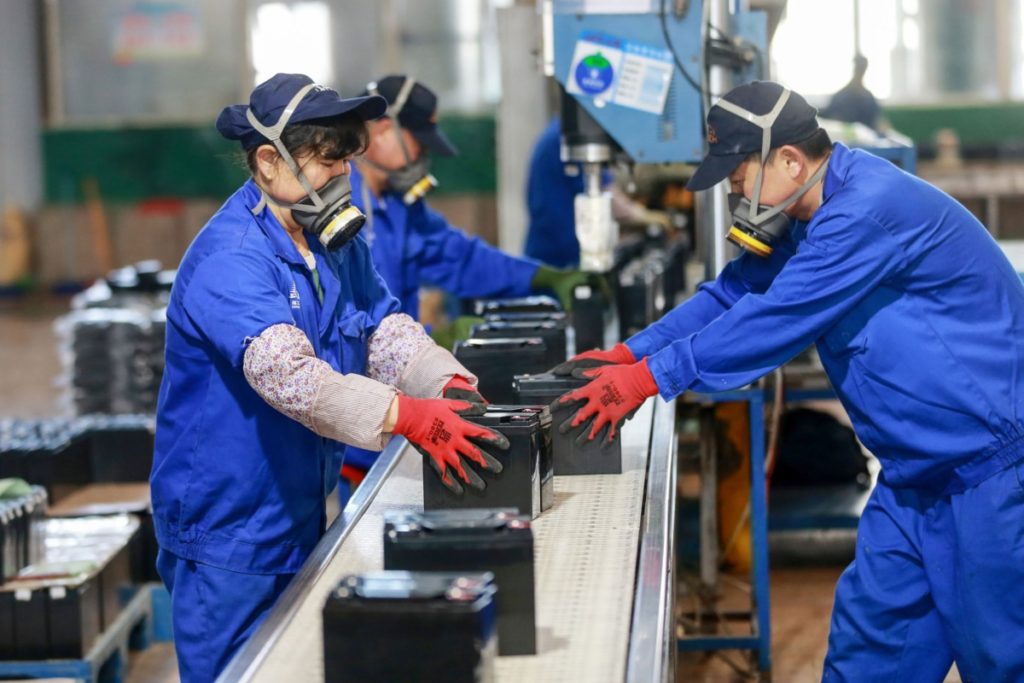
[
  {"x": 617, "y": 355},
  {"x": 459, "y": 389},
  {"x": 612, "y": 397},
  {"x": 434, "y": 428}
]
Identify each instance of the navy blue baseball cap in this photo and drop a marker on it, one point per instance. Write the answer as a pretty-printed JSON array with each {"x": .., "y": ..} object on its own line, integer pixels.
[
  {"x": 418, "y": 114},
  {"x": 732, "y": 137},
  {"x": 270, "y": 98}
]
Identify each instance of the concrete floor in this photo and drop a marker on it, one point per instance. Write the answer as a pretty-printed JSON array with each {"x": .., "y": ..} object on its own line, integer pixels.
[{"x": 801, "y": 598}]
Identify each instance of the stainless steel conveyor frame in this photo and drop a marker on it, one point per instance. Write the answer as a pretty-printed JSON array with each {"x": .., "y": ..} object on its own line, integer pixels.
[{"x": 604, "y": 563}]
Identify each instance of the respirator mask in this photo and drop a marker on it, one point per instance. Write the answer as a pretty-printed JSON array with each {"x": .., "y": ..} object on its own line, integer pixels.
[
  {"x": 414, "y": 180},
  {"x": 328, "y": 212},
  {"x": 756, "y": 227}
]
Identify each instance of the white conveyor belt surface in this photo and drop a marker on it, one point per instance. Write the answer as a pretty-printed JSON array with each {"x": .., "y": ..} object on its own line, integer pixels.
[{"x": 585, "y": 561}]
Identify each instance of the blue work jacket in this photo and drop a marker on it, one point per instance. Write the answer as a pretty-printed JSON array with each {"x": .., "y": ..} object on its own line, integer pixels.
[
  {"x": 235, "y": 483},
  {"x": 414, "y": 246},
  {"x": 550, "y": 201},
  {"x": 917, "y": 315}
]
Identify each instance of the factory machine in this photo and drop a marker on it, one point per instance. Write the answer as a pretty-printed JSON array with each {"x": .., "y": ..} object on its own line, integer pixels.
[{"x": 636, "y": 77}]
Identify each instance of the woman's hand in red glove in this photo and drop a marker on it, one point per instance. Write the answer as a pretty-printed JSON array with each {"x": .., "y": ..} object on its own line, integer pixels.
[
  {"x": 612, "y": 397},
  {"x": 459, "y": 389},
  {"x": 434, "y": 428},
  {"x": 617, "y": 355}
]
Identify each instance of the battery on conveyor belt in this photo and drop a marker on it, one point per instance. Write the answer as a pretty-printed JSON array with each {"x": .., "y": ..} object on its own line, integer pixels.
[
  {"x": 497, "y": 541},
  {"x": 396, "y": 627},
  {"x": 570, "y": 459},
  {"x": 592, "y": 314},
  {"x": 552, "y": 332},
  {"x": 496, "y": 361},
  {"x": 526, "y": 304},
  {"x": 526, "y": 480},
  {"x": 640, "y": 299}
]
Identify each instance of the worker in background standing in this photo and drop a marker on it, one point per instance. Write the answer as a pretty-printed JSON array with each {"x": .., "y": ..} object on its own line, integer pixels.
[
  {"x": 918, "y": 318},
  {"x": 551, "y": 189},
  {"x": 854, "y": 103},
  {"x": 283, "y": 344},
  {"x": 413, "y": 245}
]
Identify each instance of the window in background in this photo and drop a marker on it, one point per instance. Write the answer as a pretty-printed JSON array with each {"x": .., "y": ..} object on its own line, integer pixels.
[
  {"x": 112, "y": 61},
  {"x": 292, "y": 37},
  {"x": 918, "y": 52}
]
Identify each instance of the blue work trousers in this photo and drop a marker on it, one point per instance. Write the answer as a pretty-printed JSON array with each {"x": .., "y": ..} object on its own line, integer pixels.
[
  {"x": 936, "y": 579},
  {"x": 214, "y": 611}
]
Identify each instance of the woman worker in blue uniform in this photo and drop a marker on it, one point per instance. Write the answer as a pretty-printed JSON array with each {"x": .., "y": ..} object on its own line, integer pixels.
[
  {"x": 919, "y": 322},
  {"x": 412, "y": 244},
  {"x": 282, "y": 344}
]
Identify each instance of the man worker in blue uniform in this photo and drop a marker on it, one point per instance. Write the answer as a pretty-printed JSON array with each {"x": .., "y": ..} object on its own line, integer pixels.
[
  {"x": 413, "y": 245},
  {"x": 919, "y": 322}
]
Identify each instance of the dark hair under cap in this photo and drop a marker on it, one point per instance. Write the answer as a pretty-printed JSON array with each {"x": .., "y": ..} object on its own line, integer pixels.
[{"x": 269, "y": 100}]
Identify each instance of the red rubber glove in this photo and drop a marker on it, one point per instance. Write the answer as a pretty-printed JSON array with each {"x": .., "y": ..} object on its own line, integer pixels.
[
  {"x": 614, "y": 395},
  {"x": 617, "y": 355},
  {"x": 459, "y": 389},
  {"x": 434, "y": 428}
]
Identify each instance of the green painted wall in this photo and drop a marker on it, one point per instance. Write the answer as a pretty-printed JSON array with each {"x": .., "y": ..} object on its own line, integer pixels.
[
  {"x": 133, "y": 164},
  {"x": 978, "y": 124}
]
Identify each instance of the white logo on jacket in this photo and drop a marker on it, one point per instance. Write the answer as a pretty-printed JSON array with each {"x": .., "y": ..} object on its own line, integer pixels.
[{"x": 293, "y": 296}]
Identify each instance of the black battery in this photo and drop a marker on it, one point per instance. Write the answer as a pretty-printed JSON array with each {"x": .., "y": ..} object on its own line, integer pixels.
[
  {"x": 116, "y": 583},
  {"x": 519, "y": 483},
  {"x": 525, "y": 304},
  {"x": 410, "y": 627},
  {"x": 496, "y": 361},
  {"x": 75, "y": 616},
  {"x": 570, "y": 459},
  {"x": 496, "y": 541},
  {"x": 120, "y": 447},
  {"x": 10, "y": 543},
  {"x": 592, "y": 315},
  {"x": 552, "y": 332},
  {"x": 527, "y": 316},
  {"x": 24, "y": 608},
  {"x": 640, "y": 299}
]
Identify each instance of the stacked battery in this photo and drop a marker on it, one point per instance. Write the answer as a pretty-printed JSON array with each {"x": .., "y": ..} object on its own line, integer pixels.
[
  {"x": 57, "y": 606},
  {"x": 112, "y": 343},
  {"x": 396, "y": 626},
  {"x": 19, "y": 531},
  {"x": 60, "y": 453}
]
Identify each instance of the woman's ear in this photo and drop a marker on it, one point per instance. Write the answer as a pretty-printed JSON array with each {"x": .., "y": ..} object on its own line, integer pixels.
[{"x": 266, "y": 162}]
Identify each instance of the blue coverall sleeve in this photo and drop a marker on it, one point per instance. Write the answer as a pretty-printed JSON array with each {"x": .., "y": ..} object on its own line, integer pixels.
[
  {"x": 232, "y": 297},
  {"x": 839, "y": 263},
  {"x": 468, "y": 266},
  {"x": 743, "y": 275}
]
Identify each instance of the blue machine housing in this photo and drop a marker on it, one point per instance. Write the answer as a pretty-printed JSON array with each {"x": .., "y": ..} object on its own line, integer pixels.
[{"x": 677, "y": 134}]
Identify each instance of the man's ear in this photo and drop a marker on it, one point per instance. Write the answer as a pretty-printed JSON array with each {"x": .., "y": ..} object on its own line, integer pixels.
[{"x": 791, "y": 161}]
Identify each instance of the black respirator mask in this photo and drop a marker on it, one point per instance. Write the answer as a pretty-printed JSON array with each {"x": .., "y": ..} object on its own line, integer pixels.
[
  {"x": 756, "y": 227},
  {"x": 414, "y": 180},
  {"x": 328, "y": 212}
]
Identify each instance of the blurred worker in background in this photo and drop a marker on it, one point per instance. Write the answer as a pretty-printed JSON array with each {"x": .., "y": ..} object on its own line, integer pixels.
[
  {"x": 415, "y": 246},
  {"x": 283, "y": 344},
  {"x": 854, "y": 103},
  {"x": 918, "y": 318},
  {"x": 551, "y": 189}
]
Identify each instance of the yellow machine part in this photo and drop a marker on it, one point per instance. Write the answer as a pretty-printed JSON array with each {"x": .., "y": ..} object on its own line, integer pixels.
[{"x": 733, "y": 439}]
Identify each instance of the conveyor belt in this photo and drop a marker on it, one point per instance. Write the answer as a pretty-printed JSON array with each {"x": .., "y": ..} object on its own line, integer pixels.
[{"x": 586, "y": 558}]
